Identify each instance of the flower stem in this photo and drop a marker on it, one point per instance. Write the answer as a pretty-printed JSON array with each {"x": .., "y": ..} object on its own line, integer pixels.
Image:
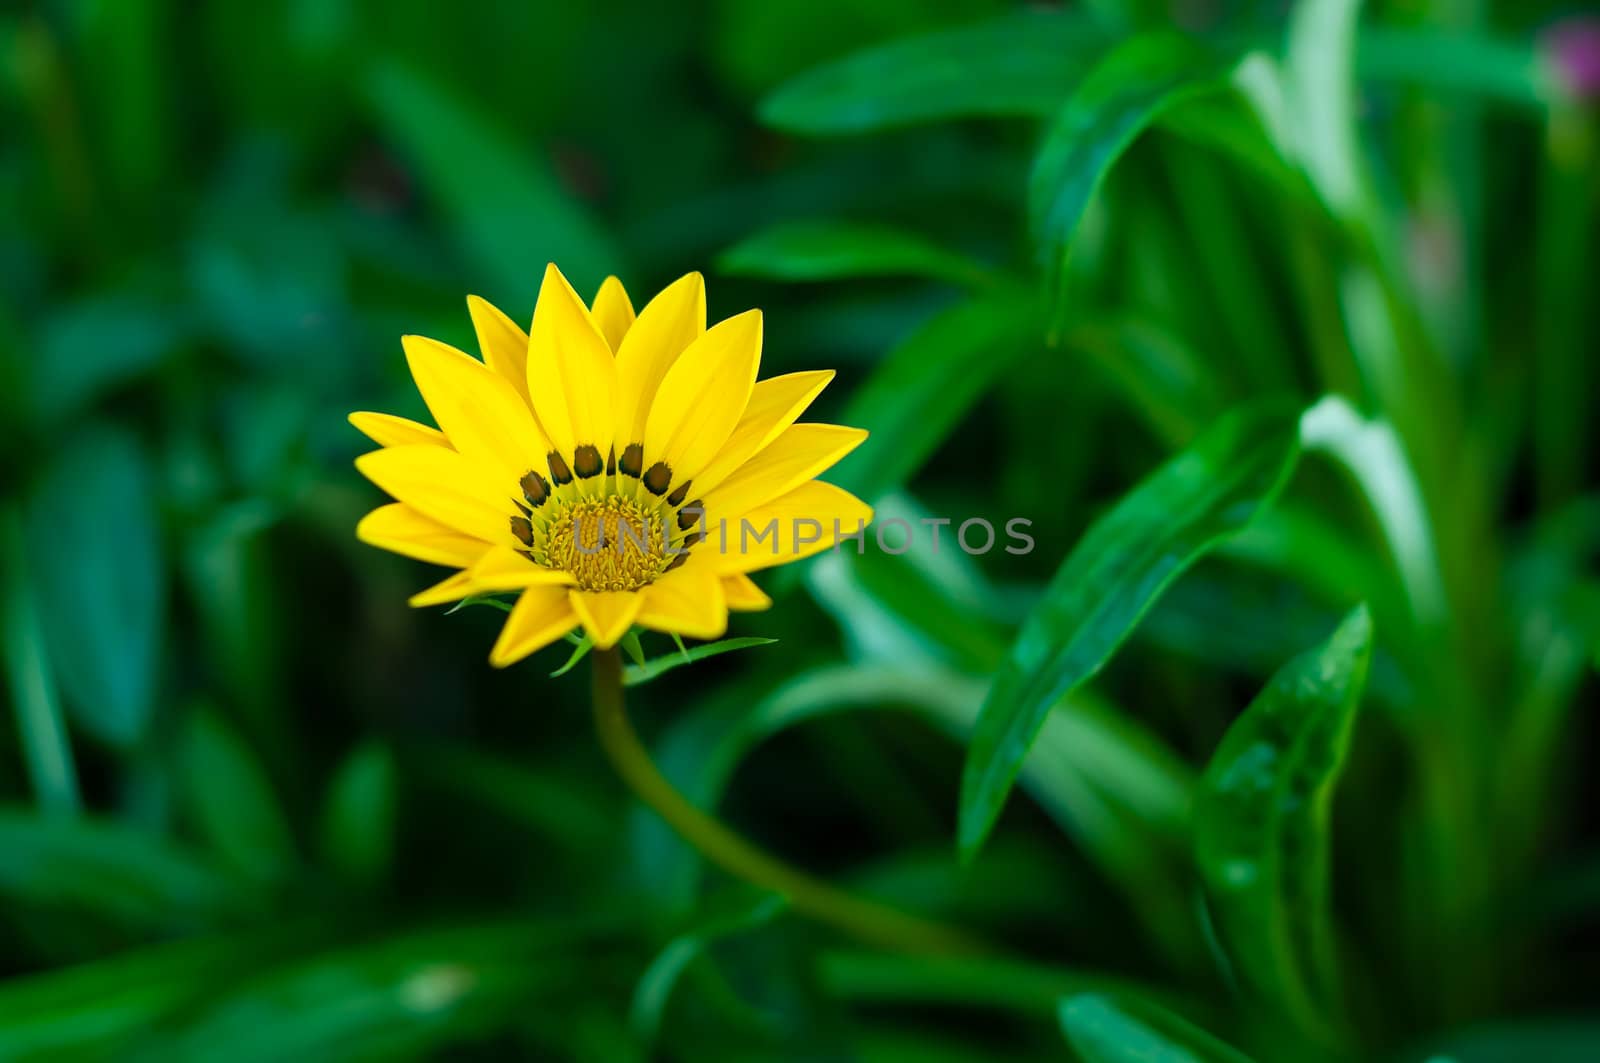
[{"x": 864, "y": 919}]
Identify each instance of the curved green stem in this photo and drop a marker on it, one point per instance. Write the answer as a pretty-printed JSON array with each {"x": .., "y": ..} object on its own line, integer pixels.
[{"x": 862, "y": 918}]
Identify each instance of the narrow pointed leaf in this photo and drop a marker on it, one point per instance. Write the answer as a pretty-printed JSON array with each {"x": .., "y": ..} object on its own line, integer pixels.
[
  {"x": 1261, "y": 822},
  {"x": 1106, "y": 1030},
  {"x": 1022, "y": 65},
  {"x": 1116, "y": 572},
  {"x": 634, "y": 674},
  {"x": 1127, "y": 90},
  {"x": 842, "y": 250}
]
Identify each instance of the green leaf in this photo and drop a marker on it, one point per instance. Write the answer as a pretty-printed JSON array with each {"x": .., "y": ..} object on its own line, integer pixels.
[
  {"x": 1022, "y": 65},
  {"x": 654, "y": 991},
  {"x": 509, "y": 213},
  {"x": 119, "y": 876},
  {"x": 965, "y": 981},
  {"x": 579, "y": 652},
  {"x": 1456, "y": 63},
  {"x": 359, "y": 816},
  {"x": 1106, "y": 1030},
  {"x": 915, "y": 398},
  {"x": 1116, "y": 572},
  {"x": 95, "y": 546},
  {"x": 93, "y": 346},
  {"x": 1131, "y": 87},
  {"x": 634, "y": 674},
  {"x": 231, "y": 800},
  {"x": 823, "y": 250},
  {"x": 1261, "y": 823},
  {"x": 490, "y": 600},
  {"x": 635, "y": 649}
]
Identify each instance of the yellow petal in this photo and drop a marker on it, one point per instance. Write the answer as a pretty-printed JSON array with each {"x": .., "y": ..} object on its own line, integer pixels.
[
  {"x": 703, "y": 396},
  {"x": 612, "y": 312},
  {"x": 400, "y": 528},
  {"x": 482, "y": 415},
  {"x": 444, "y": 485},
  {"x": 606, "y": 615},
  {"x": 668, "y": 324},
  {"x": 806, "y": 521},
  {"x": 801, "y": 453},
  {"x": 572, "y": 377},
  {"x": 775, "y": 404},
  {"x": 503, "y": 343},
  {"x": 498, "y": 569},
  {"x": 541, "y": 615},
  {"x": 743, "y": 595},
  {"x": 686, "y": 601},
  {"x": 387, "y": 430}
]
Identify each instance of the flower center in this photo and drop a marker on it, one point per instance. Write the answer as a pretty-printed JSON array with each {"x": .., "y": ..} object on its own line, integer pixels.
[{"x": 608, "y": 544}]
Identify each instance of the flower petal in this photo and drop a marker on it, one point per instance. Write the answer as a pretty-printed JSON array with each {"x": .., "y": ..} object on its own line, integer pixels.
[
  {"x": 499, "y": 569},
  {"x": 445, "y": 485},
  {"x": 703, "y": 396},
  {"x": 806, "y": 521},
  {"x": 612, "y": 312},
  {"x": 541, "y": 615},
  {"x": 775, "y": 404},
  {"x": 671, "y": 321},
  {"x": 401, "y": 529},
  {"x": 743, "y": 595},
  {"x": 606, "y": 615},
  {"x": 686, "y": 601},
  {"x": 801, "y": 453},
  {"x": 503, "y": 343},
  {"x": 481, "y": 414},
  {"x": 387, "y": 430},
  {"x": 572, "y": 376}
]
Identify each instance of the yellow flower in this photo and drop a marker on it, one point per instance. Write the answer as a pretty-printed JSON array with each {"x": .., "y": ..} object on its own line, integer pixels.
[{"x": 613, "y": 470}]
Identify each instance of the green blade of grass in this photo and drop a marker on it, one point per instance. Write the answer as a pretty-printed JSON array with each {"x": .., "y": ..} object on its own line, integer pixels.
[
  {"x": 1112, "y": 577},
  {"x": 1261, "y": 826}
]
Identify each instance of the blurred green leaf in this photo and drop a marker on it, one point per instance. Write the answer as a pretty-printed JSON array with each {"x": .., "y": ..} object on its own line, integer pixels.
[
  {"x": 231, "y": 799},
  {"x": 99, "y": 1010},
  {"x": 1021, "y": 65},
  {"x": 634, "y": 674},
  {"x": 1454, "y": 63},
  {"x": 402, "y": 996},
  {"x": 509, "y": 213},
  {"x": 1262, "y": 824},
  {"x": 915, "y": 398},
  {"x": 1556, "y": 1039},
  {"x": 580, "y": 650},
  {"x": 654, "y": 991},
  {"x": 996, "y": 982},
  {"x": 1106, "y": 1030},
  {"x": 35, "y": 699},
  {"x": 1127, "y": 90},
  {"x": 94, "y": 540},
  {"x": 1108, "y": 582},
  {"x": 110, "y": 873},
  {"x": 843, "y": 250},
  {"x": 360, "y": 816},
  {"x": 92, "y": 346}
]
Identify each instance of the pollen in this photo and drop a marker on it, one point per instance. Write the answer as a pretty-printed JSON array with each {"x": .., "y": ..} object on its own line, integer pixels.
[{"x": 608, "y": 544}]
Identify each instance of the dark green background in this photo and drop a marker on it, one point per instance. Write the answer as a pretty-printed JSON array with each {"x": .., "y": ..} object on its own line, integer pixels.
[{"x": 290, "y": 818}]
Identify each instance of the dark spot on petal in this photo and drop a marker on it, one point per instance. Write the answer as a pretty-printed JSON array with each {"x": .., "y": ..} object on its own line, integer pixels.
[
  {"x": 680, "y": 559},
  {"x": 611, "y": 462},
  {"x": 692, "y": 539},
  {"x": 632, "y": 463},
  {"x": 524, "y": 510},
  {"x": 690, "y": 515},
  {"x": 534, "y": 488},
  {"x": 677, "y": 497},
  {"x": 657, "y": 477},
  {"x": 523, "y": 530},
  {"x": 558, "y": 468},
  {"x": 586, "y": 461}
]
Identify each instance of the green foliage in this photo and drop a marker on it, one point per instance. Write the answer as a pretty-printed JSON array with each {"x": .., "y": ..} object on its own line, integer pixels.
[
  {"x": 252, "y": 806},
  {"x": 1111, "y": 579}
]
